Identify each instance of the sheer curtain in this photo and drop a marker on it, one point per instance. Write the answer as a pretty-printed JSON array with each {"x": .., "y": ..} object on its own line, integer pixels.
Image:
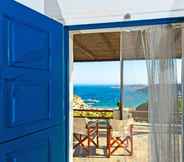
[
  {"x": 182, "y": 80},
  {"x": 159, "y": 46}
]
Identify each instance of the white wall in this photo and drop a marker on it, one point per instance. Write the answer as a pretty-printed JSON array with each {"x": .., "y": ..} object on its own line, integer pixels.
[
  {"x": 94, "y": 11},
  {"x": 49, "y": 8},
  {"x": 85, "y": 11},
  {"x": 37, "y": 5},
  {"x": 52, "y": 9}
]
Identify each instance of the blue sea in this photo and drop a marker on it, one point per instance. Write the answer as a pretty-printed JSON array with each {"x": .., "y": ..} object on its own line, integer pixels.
[{"x": 107, "y": 96}]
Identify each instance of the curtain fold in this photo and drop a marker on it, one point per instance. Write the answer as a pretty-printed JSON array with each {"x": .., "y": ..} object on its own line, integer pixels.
[{"x": 159, "y": 46}]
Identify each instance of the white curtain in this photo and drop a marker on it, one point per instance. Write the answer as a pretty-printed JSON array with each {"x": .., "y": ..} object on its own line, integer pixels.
[
  {"x": 182, "y": 81},
  {"x": 159, "y": 44}
]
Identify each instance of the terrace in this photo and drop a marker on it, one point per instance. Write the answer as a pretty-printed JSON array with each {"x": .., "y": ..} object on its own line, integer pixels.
[{"x": 140, "y": 132}]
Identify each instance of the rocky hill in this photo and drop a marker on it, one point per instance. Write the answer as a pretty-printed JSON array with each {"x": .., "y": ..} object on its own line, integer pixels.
[{"x": 78, "y": 103}]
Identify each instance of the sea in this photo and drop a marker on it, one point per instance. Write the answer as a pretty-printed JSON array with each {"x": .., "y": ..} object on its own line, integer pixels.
[{"x": 107, "y": 96}]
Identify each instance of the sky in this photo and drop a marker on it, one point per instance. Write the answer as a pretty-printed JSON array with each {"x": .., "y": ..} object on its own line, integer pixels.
[{"x": 105, "y": 73}]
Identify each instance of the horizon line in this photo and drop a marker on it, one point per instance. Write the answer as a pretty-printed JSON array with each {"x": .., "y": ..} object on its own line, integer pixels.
[{"x": 108, "y": 84}]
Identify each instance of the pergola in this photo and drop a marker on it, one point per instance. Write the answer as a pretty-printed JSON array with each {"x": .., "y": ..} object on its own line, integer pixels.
[{"x": 106, "y": 46}]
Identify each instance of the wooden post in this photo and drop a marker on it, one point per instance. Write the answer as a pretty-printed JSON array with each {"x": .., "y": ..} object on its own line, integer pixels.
[{"x": 121, "y": 77}]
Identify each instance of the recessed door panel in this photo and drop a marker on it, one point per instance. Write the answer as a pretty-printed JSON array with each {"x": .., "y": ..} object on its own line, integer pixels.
[
  {"x": 29, "y": 46},
  {"x": 45, "y": 146}
]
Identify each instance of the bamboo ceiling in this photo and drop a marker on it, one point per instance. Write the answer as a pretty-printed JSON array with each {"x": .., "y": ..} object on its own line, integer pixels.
[{"x": 106, "y": 46}]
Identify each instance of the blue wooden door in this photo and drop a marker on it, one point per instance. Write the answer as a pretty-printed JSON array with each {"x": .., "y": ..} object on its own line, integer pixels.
[
  {"x": 31, "y": 72},
  {"x": 44, "y": 146}
]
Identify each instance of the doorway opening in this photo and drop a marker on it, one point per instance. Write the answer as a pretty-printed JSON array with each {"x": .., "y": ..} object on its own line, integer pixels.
[{"x": 121, "y": 133}]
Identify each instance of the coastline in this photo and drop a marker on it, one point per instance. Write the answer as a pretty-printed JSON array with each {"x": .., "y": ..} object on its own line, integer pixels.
[{"x": 108, "y": 96}]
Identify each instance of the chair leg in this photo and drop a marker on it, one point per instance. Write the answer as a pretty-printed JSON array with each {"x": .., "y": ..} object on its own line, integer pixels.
[
  {"x": 131, "y": 139},
  {"x": 80, "y": 142},
  {"x": 108, "y": 150},
  {"x": 89, "y": 141},
  {"x": 131, "y": 146},
  {"x": 125, "y": 144},
  {"x": 108, "y": 142},
  {"x": 97, "y": 136},
  {"x": 91, "y": 138}
]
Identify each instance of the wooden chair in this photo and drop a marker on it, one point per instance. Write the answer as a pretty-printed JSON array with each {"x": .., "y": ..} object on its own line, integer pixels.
[
  {"x": 119, "y": 135},
  {"x": 84, "y": 132}
]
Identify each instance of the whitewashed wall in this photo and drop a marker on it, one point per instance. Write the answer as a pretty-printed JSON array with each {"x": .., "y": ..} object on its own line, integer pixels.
[
  {"x": 53, "y": 10},
  {"x": 50, "y": 8},
  {"x": 85, "y": 11},
  {"x": 37, "y": 5},
  {"x": 94, "y": 11}
]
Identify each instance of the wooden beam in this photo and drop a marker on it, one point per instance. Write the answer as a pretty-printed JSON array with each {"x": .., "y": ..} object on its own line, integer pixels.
[
  {"x": 89, "y": 52},
  {"x": 138, "y": 43},
  {"x": 121, "y": 77},
  {"x": 108, "y": 42}
]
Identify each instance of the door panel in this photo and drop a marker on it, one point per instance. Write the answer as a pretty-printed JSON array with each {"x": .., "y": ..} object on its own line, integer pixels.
[
  {"x": 35, "y": 52},
  {"x": 45, "y": 146},
  {"x": 32, "y": 71},
  {"x": 33, "y": 108}
]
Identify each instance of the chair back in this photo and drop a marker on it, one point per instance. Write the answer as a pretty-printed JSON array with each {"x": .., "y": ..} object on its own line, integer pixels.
[
  {"x": 79, "y": 124},
  {"x": 116, "y": 114},
  {"x": 119, "y": 125}
]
